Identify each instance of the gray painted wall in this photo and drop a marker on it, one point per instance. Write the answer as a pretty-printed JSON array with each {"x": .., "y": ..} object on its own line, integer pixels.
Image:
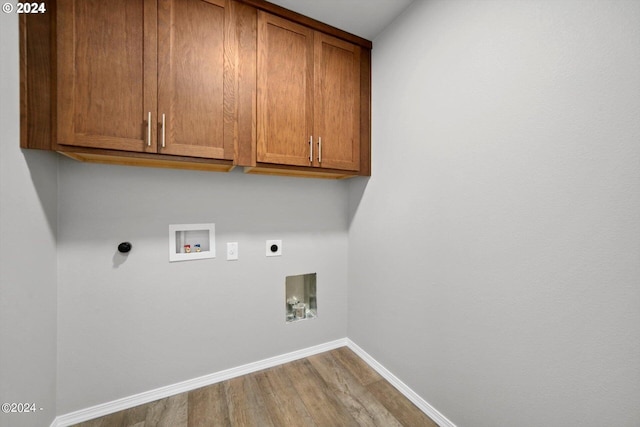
[
  {"x": 28, "y": 189},
  {"x": 132, "y": 324},
  {"x": 506, "y": 163},
  {"x": 494, "y": 254}
]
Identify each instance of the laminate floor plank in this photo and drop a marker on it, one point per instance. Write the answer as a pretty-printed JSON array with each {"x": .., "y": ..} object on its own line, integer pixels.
[
  {"x": 362, "y": 404},
  {"x": 356, "y": 365},
  {"x": 168, "y": 412},
  {"x": 134, "y": 417},
  {"x": 207, "y": 406},
  {"x": 330, "y": 389},
  {"x": 324, "y": 406},
  {"x": 246, "y": 405},
  {"x": 281, "y": 399},
  {"x": 401, "y": 407}
]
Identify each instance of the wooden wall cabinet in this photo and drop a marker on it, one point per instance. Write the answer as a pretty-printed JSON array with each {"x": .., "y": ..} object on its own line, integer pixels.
[
  {"x": 197, "y": 84},
  {"x": 309, "y": 106},
  {"x": 308, "y": 97},
  {"x": 147, "y": 76}
]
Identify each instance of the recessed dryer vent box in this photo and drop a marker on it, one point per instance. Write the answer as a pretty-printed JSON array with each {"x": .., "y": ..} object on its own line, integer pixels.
[{"x": 192, "y": 241}]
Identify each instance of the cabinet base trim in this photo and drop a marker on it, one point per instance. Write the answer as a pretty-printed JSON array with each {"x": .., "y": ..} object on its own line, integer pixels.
[
  {"x": 156, "y": 163},
  {"x": 296, "y": 173}
]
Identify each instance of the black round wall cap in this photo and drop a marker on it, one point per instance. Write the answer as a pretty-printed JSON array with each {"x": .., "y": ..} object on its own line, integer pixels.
[
  {"x": 124, "y": 247},
  {"x": 274, "y": 248}
]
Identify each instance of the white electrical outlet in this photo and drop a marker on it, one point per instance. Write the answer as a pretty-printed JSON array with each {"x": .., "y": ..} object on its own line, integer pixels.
[
  {"x": 274, "y": 247},
  {"x": 232, "y": 251}
]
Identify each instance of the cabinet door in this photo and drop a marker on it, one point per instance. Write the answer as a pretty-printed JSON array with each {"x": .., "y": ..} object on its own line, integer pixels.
[
  {"x": 106, "y": 74},
  {"x": 337, "y": 102},
  {"x": 285, "y": 91},
  {"x": 194, "y": 62}
]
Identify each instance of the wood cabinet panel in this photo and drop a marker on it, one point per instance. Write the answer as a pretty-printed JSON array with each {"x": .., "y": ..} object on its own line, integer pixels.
[
  {"x": 125, "y": 61},
  {"x": 285, "y": 91},
  {"x": 337, "y": 103},
  {"x": 246, "y": 34},
  {"x": 308, "y": 97},
  {"x": 106, "y": 73},
  {"x": 192, "y": 97},
  {"x": 236, "y": 85},
  {"x": 36, "y": 125}
]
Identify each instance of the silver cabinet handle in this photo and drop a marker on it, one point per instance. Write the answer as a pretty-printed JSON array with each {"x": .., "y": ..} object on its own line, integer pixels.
[
  {"x": 149, "y": 129},
  {"x": 163, "y": 131},
  {"x": 311, "y": 149},
  {"x": 320, "y": 149}
]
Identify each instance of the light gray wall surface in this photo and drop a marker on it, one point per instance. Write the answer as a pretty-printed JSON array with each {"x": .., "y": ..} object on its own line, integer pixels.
[
  {"x": 28, "y": 203},
  {"x": 494, "y": 256},
  {"x": 492, "y": 259},
  {"x": 132, "y": 324}
]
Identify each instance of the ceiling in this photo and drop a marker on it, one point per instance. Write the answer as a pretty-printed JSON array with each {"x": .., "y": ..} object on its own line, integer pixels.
[{"x": 364, "y": 18}]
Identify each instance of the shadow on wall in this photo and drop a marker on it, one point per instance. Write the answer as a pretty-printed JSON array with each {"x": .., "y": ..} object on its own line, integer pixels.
[
  {"x": 137, "y": 201},
  {"x": 118, "y": 259},
  {"x": 43, "y": 168},
  {"x": 357, "y": 187}
]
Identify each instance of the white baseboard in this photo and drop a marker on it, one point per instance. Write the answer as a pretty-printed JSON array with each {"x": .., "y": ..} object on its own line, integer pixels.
[
  {"x": 162, "y": 392},
  {"x": 422, "y": 404},
  {"x": 170, "y": 390}
]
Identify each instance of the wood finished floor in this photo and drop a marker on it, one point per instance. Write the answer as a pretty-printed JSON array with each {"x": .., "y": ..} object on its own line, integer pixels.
[{"x": 331, "y": 389}]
